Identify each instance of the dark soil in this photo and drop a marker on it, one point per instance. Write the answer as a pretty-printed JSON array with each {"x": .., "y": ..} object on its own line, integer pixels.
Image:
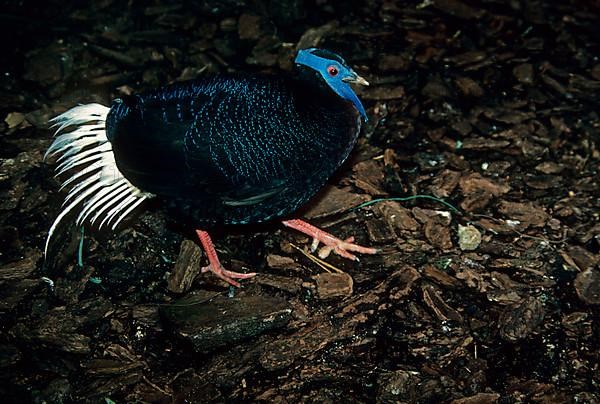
[{"x": 492, "y": 107}]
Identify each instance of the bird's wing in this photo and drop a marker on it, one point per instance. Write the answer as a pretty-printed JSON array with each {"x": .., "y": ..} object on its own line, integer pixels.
[
  {"x": 236, "y": 139},
  {"x": 200, "y": 144}
]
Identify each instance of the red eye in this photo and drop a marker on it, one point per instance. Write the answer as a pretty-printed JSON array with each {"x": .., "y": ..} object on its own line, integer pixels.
[{"x": 332, "y": 70}]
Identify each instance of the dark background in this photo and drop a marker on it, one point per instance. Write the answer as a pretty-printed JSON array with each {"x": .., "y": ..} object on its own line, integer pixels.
[{"x": 492, "y": 106}]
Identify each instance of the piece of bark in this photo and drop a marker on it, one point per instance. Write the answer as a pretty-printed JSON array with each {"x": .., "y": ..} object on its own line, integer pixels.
[
  {"x": 302, "y": 344},
  {"x": 438, "y": 234},
  {"x": 21, "y": 269},
  {"x": 479, "y": 398},
  {"x": 398, "y": 386},
  {"x": 406, "y": 279},
  {"x": 475, "y": 182},
  {"x": 187, "y": 267},
  {"x": 526, "y": 213},
  {"x": 380, "y": 231},
  {"x": 438, "y": 276},
  {"x": 330, "y": 285},
  {"x": 518, "y": 321},
  {"x": 332, "y": 200},
  {"x": 208, "y": 323},
  {"x": 442, "y": 310},
  {"x": 397, "y": 216},
  {"x": 445, "y": 183},
  {"x": 587, "y": 285}
]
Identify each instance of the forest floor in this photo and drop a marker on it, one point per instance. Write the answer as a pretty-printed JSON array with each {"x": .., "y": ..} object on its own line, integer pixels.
[{"x": 484, "y": 121}]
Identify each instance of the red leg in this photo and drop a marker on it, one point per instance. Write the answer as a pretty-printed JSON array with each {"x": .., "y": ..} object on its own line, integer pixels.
[
  {"x": 332, "y": 243},
  {"x": 214, "y": 265}
]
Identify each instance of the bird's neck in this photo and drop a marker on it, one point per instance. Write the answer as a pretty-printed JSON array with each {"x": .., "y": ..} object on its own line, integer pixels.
[
  {"x": 332, "y": 123},
  {"x": 320, "y": 99}
]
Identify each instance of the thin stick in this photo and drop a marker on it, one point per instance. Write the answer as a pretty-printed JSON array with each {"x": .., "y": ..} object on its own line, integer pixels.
[{"x": 325, "y": 265}]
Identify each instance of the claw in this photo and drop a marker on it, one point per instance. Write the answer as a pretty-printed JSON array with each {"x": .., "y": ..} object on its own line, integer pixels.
[
  {"x": 227, "y": 276},
  {"x": 331, "y": 243}
]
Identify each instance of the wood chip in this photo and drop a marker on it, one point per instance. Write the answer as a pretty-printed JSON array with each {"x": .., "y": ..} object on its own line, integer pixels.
[
  {"x": 187, "y": 267},
  {"x": 331, "y": 285},
  {"x": 587, "y": 285}
]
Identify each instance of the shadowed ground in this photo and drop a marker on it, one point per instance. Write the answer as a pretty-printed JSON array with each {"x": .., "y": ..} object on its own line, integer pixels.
[{"x": 490, "y": 106}]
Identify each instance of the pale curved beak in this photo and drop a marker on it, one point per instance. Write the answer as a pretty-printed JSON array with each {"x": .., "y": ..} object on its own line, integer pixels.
[{"x": 355, "y": 79}]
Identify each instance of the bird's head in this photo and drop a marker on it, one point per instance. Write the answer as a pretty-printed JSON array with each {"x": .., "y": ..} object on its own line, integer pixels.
[{"x": 335, "y": 72}]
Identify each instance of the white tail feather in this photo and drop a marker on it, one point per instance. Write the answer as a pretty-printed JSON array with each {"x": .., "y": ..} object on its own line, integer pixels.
[
  {"x": 97, "y": 185},
  {"x": 116, "y": 196}
]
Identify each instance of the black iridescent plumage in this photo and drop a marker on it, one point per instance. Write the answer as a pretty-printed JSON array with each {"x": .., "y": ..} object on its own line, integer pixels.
[{"x": 233, "y": 149}]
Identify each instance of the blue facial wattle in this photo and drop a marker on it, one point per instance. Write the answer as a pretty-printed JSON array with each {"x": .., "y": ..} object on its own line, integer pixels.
[
  {"x": 307, "y": 58},
  {"x": 345, "y": 91}
]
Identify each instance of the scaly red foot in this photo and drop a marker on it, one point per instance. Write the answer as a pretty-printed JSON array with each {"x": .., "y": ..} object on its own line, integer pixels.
[
  {"x": 214, "y": 265},
  {"x": 332, "y": 243}
]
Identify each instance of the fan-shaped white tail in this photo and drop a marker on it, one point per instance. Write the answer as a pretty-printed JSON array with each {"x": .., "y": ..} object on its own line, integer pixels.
[{"x": 97, "y": 185}]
